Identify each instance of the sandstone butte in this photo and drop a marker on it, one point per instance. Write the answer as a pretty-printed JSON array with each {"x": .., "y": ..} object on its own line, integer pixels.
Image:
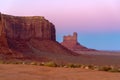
[
  {"x": 30, "y": 38},
  {"x": 72, "y": 43},
  {"x": 33, "y": 38}
]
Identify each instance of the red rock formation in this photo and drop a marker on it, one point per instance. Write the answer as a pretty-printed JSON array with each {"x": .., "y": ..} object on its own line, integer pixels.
[
  {"x": 25, "y": 28},
  {"x": 71, "y": 43},
  {"x": 3, "y": 41},
  {"x": 29, "y": 37}
]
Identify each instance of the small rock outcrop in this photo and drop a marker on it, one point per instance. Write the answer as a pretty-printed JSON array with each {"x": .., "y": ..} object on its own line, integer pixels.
[{"x": 72, "y": 43}]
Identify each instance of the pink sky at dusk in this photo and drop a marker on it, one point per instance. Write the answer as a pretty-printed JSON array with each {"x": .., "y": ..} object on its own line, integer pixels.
[{"x": 82, "y": 16}]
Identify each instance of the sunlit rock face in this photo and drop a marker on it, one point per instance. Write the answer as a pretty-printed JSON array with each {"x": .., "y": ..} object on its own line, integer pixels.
[
  {"x": 25, "y": 28},
  {"x": 16, "y": 33}
]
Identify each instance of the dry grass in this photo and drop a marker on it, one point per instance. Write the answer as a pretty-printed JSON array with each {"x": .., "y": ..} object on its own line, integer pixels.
[
  {"x": 32, "y": 72},
  {"x": 70, "y": 65}
]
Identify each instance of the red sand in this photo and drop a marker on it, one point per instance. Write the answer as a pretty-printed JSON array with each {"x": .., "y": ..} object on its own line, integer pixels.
[{"x": 31, "y": 72}]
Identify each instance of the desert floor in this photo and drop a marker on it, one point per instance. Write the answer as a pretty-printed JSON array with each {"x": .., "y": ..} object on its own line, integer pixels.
[{"x": 32, "y": 72}]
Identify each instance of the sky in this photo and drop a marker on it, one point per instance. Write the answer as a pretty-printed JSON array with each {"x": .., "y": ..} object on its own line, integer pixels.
[{"x": 97, "y": 22}]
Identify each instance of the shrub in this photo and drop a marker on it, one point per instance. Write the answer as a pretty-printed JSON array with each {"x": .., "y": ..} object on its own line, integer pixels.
[
  {"x": 70, "y": 65},
  {"x": 105, "y": 68},
  {"x": 2, "y": 62},
  {"x": 115, "y": 70},
  {"x": 91, "y": 67},
  {"x": 33, "y": 63},
  {"x": 50, "y": 64},
  {"x": 73, "y": 65}
]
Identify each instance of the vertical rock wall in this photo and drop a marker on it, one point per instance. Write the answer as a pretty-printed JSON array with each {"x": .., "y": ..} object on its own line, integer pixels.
[{"x": 25, "y": 28}]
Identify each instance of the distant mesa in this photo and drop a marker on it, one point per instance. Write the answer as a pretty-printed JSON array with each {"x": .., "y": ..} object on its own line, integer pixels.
[{"x": 71, "y": 42}]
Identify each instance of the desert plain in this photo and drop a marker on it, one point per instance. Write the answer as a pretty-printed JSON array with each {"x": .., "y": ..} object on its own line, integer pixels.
[{"x": 33, "y": 72}]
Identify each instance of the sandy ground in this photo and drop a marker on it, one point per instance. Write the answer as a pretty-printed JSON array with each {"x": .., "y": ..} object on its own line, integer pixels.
[{"x": 31, "y": 72}]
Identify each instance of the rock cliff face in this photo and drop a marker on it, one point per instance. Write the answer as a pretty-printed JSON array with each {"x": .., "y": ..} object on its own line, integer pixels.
[
  {"x": 71, "y": 43},
  {"x": 25, "y": 28},
  {"x": 29, "y": 38}
]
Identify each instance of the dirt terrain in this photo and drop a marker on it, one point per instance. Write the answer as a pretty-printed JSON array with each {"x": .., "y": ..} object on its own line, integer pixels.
[{"x": 32, "y": 72}]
